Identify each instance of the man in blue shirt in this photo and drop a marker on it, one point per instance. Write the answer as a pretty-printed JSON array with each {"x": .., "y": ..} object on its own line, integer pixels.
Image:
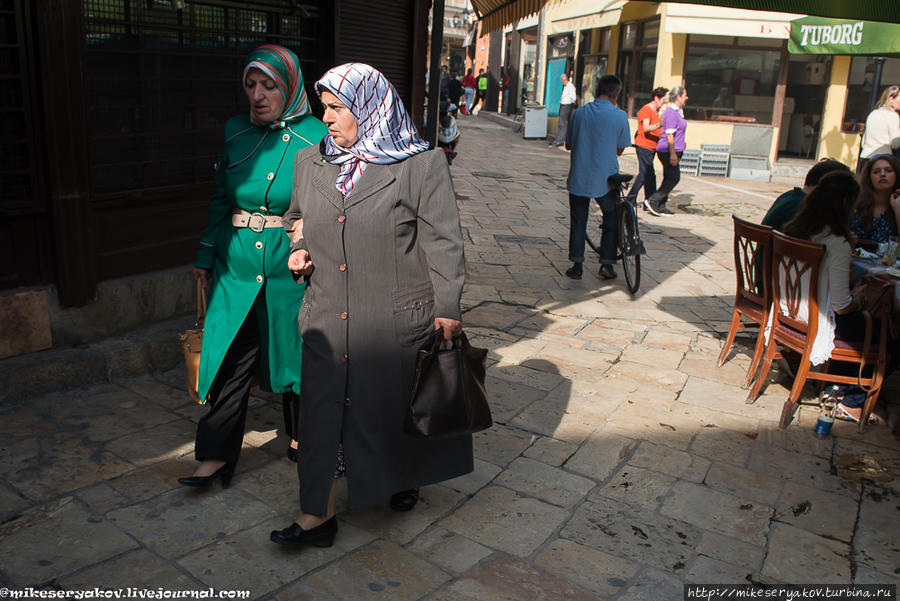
[{"x": 598, "y": 133}]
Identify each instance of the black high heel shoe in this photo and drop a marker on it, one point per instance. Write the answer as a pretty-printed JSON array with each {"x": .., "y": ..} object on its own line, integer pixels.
[
  {"x": 225, "y": 473},
  {"x": 405, "y": 499},
  {"x": 295, "y": 536}
]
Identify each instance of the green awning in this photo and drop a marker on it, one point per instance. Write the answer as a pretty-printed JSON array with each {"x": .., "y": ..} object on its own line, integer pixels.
[
  {"x": 869, "y": 10},
  {"x": 816, "y": 35}
]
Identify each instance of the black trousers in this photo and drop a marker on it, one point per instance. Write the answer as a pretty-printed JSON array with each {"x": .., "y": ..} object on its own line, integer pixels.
[
  {"x": 671, "y": 177},
  {"x": 220, "y": 433},
  {"x": 646, "y": 177}
]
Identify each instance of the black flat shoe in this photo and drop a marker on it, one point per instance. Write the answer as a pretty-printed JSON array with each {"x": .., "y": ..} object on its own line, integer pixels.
[
  {"x": 405, "y": 499},
  {"x": 574, "y": 271},
  {"x": 294, "y": 535},
  {"x": 292, "y": 453},
  {"x": 225, "y": 473}
]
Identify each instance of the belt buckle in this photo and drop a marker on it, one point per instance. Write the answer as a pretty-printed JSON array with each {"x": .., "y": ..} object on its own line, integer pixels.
[{"x": 256, "y": 222}]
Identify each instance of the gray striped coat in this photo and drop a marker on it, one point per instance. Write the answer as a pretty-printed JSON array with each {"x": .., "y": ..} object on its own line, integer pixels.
[{"x": 388, "y": 260}]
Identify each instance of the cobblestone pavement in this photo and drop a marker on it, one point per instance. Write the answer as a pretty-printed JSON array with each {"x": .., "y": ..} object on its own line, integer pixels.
[{"x": 623, "y": 463}]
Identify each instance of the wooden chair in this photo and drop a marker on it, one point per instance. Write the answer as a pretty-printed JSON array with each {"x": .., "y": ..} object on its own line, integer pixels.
[
  {"x": 753, "y": 293},
  {"x": 795, "y": 277}
]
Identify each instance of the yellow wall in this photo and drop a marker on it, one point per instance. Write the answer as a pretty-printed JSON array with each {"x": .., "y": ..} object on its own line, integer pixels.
[
  {"x": 832, "y": 142},
  {"x": 633, "y": 11},
  {"x": 670, "y": 57},
  {"x": 613, "y": 50}
]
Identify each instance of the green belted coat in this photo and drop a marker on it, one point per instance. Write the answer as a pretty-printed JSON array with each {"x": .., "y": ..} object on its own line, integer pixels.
[{"x": 254, "y": 173}]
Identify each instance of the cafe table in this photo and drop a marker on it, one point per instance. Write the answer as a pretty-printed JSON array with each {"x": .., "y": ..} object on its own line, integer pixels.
[{"x": 863, "y": 266}]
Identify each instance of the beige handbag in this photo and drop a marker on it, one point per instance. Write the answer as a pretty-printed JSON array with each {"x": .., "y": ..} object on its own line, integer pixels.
[{"x": 191, "y": 342}]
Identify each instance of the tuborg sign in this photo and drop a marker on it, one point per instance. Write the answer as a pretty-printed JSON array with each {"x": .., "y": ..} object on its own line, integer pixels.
[{"x": 816, "y": 35}]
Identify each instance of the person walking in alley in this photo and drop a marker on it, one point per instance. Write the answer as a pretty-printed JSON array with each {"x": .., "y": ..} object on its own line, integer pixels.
[
  {"x": 648, "y": 129},
  {"x": 566, "y": 106},
  {"x": 243, "y": 261},
  {"x": 481, "y": 86},
  {"x": 468, "y": 83},
  {"x": 383, "y": 251},
  {"x": 669, "y": 150},
  {"x": 597, "y": 135}
]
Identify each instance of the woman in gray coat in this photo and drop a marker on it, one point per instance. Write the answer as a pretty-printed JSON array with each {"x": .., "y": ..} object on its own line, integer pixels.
[{"x": 383, "y": 254}]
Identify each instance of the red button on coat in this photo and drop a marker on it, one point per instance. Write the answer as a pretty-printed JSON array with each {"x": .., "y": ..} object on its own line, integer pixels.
[
  {"x": 341, "y": 219},
  {"x": 342, "y": 267},
  {"x": 343, "y": 358},
  {"x": 343, "y": 315}
]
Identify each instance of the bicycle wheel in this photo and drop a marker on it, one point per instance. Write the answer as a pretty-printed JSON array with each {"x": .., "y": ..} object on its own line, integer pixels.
[
  {"x": 630, "y": 246},
  {"x": 587, "y": 237}
]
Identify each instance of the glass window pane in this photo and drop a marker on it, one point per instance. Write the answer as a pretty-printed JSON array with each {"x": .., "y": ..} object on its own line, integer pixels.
[
  {"x": 719, "y": 40},
  {"x": 859, "y": 88},
  {"x": 731, "y": 85},
  {"x": 629, "y": 35},
  {"x": 651, "y": 33}
]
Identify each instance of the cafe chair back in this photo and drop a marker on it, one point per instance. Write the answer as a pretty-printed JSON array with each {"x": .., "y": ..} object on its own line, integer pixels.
[
  {"x": 795, "y": 276},
  {"x": 753, "y": 292}
]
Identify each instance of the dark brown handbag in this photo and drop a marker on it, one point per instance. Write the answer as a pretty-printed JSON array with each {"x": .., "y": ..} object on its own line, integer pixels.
[
  {"x": 449, "y": 398},
  {"x": 191, "y": 343},
  {"x": 878, "y": 304}
]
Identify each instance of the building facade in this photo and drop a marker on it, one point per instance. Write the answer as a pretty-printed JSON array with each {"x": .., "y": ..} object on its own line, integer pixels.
[
  {"x": 113, "y": 115},
  {"x": 743, "y": 83}
]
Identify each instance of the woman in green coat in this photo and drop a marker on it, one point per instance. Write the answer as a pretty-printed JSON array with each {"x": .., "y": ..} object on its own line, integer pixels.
[{"x": 253, "y": 299}]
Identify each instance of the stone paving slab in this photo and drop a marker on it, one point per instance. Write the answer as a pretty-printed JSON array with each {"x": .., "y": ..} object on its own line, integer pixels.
[
  {"x": 623, "y": 462},
  {"x": 41, "y": 544}
]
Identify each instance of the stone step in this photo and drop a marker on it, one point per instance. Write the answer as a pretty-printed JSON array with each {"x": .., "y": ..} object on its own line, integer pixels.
[{"x": 139, "y": 351}]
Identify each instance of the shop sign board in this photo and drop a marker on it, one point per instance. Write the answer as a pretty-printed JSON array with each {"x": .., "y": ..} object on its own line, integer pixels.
[{"x": 817, "y": 35}]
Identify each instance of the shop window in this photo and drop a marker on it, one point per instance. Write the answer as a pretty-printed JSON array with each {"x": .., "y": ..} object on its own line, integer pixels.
[
  {"x": 859, "y": 89},
  {"x": 529, "y": 52},
  {"x": 163, "y": 78},
  {"x": 562, "y": 45},
  {"x": 636, "y": 66},
  {"x": 593, "y": 60},
  {"x": 730, "y": 84}
]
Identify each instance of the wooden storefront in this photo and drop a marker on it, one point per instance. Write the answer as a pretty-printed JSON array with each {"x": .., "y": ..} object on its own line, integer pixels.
[{"x": 113, "y": 111}]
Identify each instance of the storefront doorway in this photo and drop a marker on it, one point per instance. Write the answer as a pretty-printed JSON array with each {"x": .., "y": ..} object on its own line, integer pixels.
[{"x": 804, "y": 105}]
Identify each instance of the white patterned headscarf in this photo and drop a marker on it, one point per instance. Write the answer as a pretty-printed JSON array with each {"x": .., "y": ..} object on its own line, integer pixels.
[{"x": 386, "y": 134}]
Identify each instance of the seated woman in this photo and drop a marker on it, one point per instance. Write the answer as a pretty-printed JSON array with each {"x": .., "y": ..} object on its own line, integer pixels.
[
  {"x": 824, "y": 218},
  {"x": 878, "y": 209}
]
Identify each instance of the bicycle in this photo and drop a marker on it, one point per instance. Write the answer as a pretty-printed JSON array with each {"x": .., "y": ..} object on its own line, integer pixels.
[
  {"x": 518, "y": 120},
  {"x": 519, "y": 117},
  {"x": 629, "y": 243}
]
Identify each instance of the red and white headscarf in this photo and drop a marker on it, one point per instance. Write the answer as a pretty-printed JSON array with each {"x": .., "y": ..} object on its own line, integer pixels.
[
  {"x": 386, "y": 134},
  {"x": 283, "y": 67}
]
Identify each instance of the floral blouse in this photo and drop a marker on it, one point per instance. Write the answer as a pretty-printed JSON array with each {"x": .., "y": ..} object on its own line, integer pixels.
[{"x": 882, "y": 228}]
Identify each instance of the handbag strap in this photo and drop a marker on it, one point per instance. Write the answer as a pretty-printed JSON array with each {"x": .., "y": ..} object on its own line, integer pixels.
[
  {"x": 201, "y": 302},
  {"x": 878, "y": 304}
]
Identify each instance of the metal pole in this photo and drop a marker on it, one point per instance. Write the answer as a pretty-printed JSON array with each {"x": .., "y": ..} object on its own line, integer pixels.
[
  {"x": 434, "y": 72},
  {"x": 876, "y": 82},
  {"x": 873, "y": 98}
]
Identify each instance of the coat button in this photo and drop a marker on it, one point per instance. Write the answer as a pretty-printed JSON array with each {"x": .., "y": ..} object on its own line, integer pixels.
[
  {"x": 286, "y": 137},
  {"x": 270, "y": 176},
  {"x": 347, "y": 402},
  {"x": 341, "y": 219},
  {"x": 343, "y": 315},
  {"x": 258, "y": 244},
  {"x": 259, "y": 278},
  {"x": 262, "y": 208},
  {"x": 342, "y": 267},
  {"x": 344, "y": 358}
]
